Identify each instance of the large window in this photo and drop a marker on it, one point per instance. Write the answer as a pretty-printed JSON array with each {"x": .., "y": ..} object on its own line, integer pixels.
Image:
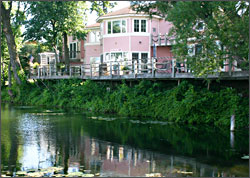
[
  {"x": 94, "y": 36},
  {"x": 140, "y": 25},
  {"x": 117, "y": 26},
  {"x": 116, "y": 56},
  {"x": 72, "y": 50}
]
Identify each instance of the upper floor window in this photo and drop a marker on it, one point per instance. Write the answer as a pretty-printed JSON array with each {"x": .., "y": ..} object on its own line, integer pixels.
[
  {"x": 94, "y": 36},
  {"x": 140, "y": 25},
  {"x": 117, "y": 26}
]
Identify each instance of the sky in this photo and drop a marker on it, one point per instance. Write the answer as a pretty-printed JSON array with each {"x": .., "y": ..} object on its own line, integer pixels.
[{"x": 93, "y": 16}]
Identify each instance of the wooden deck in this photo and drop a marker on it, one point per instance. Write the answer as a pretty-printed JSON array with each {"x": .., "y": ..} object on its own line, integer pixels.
[{"x": 150, "y": 70}]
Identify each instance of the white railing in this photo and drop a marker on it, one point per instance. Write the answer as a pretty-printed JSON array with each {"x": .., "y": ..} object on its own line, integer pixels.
[{"x": 151, "y": 66}]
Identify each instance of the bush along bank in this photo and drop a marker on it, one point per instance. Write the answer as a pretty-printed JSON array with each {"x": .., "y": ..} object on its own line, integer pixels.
[{"x": 185, "y": 103}]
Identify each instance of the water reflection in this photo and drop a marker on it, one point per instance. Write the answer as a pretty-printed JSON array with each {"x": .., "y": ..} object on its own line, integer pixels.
[{"x": 32, "y": 139}]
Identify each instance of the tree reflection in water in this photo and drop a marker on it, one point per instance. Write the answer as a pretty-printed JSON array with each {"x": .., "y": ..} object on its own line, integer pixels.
[{"x": 35, "y": 138}]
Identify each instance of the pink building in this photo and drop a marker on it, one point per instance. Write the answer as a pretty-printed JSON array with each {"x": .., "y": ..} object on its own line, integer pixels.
[{"x": 121, "y": 36}]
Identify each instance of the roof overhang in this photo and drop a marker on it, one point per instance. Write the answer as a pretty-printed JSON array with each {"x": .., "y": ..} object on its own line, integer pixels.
[{"x": 99, "y": 19}]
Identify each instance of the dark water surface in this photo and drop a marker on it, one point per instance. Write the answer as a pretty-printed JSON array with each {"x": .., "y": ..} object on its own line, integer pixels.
[{"x": 38, "y": 138}]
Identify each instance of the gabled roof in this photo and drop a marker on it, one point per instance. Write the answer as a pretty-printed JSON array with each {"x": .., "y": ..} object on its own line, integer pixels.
[{"x": 93, "y": 25}]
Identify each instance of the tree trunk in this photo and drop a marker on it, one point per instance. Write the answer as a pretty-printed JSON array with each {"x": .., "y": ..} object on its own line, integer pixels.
[
  {"x": 5, "y": 13},
  {"x": 66, "y": 50},
  {"x": 9, "y": 82}
]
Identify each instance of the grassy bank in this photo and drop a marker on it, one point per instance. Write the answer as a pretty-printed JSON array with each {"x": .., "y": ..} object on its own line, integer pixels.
[{"x": 186, "y": 103}]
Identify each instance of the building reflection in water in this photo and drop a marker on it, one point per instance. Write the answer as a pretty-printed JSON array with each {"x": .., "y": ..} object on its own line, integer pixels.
[{"x": 67, "y": 144}]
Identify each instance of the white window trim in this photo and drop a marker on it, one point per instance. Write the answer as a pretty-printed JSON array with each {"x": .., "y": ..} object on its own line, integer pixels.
[
  {"x": 72, "y": 47},
  {"x": 140, "y": 19},
  {"x": 112, "y": 26}
]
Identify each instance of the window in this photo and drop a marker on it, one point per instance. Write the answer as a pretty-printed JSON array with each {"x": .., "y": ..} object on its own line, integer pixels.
[
  {"x": 116, "y": 56},
  {"x": 94, "y": 60},
  {"x": 140, "y": 25},
  {"x": 198, "y": 49},
  {"x": 154, "y": 29},
  {"x": 143, "y": 25},
  {"x": 72, "y": 50},
  {"x": 94, "y": 36},
  {"x": 136, "y": 26},
  {"x": 109, "y": 27},
  {"x": 117, "y": 26}
]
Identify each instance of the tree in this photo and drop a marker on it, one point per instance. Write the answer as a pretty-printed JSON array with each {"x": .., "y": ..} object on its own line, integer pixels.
[
  {"x": 101, "y": 7},
  {"x": 10, "y": 38},
  {"x": 53, "y": 20},
  {"x": 218, "y": 31}
]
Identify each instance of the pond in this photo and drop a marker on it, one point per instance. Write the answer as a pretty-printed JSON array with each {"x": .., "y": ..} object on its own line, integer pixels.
[{"x": 38, "y": 141}]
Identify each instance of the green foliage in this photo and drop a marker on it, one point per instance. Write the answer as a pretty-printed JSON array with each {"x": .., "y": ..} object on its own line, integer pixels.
[
  {"x": 186, "y": 103},
  {"x": 225, "y": 22}
]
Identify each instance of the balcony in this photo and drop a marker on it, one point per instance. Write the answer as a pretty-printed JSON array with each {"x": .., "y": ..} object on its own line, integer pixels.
[{"x": 161, "y": 40}]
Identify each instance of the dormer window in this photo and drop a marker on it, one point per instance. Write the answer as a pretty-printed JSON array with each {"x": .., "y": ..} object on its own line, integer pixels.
[
  {"x": 117, "y": 26},
  {"x": 140, "y": 25}
]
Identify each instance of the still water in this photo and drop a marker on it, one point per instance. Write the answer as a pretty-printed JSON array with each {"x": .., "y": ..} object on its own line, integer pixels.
[{"x": 35, "y": 138}]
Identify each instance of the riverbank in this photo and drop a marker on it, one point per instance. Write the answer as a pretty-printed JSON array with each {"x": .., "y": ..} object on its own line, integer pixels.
[{"x": 186, "y": 103}]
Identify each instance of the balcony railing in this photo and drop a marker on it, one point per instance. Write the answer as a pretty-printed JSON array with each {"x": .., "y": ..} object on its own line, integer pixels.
[
  {"x": 149, "y": 68},
  {"x": 161, "y": 40}
]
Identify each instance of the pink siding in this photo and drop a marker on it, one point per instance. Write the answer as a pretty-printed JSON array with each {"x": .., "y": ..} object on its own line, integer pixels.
[
  {"x": 92, "y": 51},
  {"x": 154, "y": 24},
  {"x": 116, "y": 44},
  {"x": 164, "y": 26},
  {"x": 137, "y": 46}
]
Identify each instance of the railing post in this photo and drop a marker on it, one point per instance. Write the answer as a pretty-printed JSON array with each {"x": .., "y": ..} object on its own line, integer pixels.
[
  {"x": 110, "y": 69},
  {"x": 90, "y": 70},
  {"x": 49, "y": 70},
  {"x": 118, "y": 69},
  {"x": 70, "y": 71},
  {"x": 152, "y": 63},
  {"x": 173, "y": 71},
  {"x": 81, "y": 71},
  {"x": 230, "y": 68},
  {"x": 151, "y": 40},
  {"x": 166, "y": 39},
  {"x": 38, "y": 72},
  {"x": 159, "y": 39},
  {"x": 134, "y": 68}
]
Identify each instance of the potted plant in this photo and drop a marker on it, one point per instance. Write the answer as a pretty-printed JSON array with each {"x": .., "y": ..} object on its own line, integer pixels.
[{"x": 125, "y": 69}]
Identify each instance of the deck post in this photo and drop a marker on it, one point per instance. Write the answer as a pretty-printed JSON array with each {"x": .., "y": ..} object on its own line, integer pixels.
[
  {"x": 232, "y": 123},
  {"x": 173, "y": 72},
  {"x": 110, "y": 69}
]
